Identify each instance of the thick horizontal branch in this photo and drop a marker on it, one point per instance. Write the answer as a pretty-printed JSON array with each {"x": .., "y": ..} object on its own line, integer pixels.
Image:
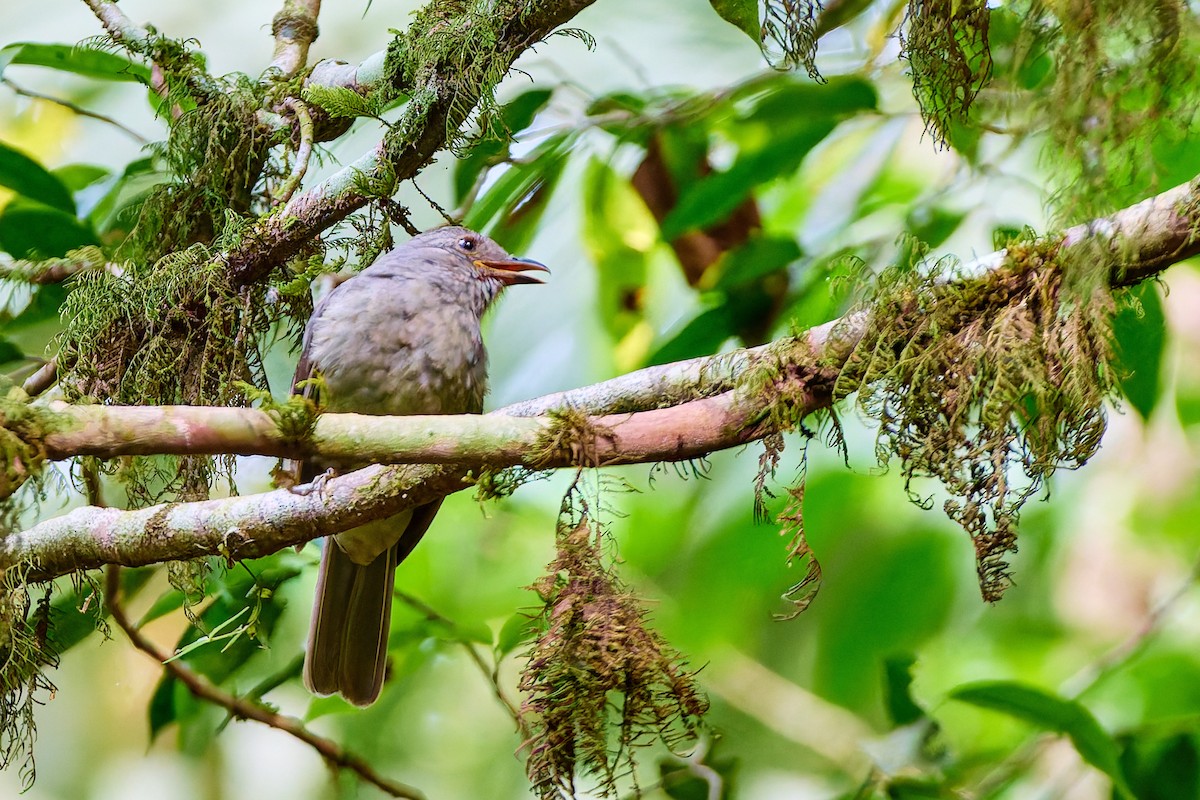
[{"x": 1147, "y": 237}]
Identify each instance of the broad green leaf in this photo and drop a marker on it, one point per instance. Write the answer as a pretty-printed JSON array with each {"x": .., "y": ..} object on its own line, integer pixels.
[
  {"x": 786, "y": 102},
  {"x": 774, "y": 138},
  {"x": 742, "y": 14},
  {"x": 9, "y": 352},
  {"x": 80, "y": 176},
  {"x": 1053, "y": 713},
  {"x": 29, "y": 229},
  {"x": 74, "y": 58},
  {"x": 1162, "y": 768},
  {"x": 161, "y": 711},
  {"x": 30, "y": 179},
  {"x": 759, "y": 256},
  {"x": 714, "y": 197},
  {"x": 119, "y": 204},
  {"x": 1140, "y": 342}
]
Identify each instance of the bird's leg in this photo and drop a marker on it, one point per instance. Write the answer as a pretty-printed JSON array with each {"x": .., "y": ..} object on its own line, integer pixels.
[{"x": 317, "y": 484}]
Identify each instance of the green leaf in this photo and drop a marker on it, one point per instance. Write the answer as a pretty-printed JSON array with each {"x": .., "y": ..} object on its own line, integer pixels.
[
  {"x": 1053, "y": 713},
  {"x": 161, "y": 711},
  {"x": 837, "y": 13},
  {"x": 80, "y": 176},
  {"x": 1162, "y": 768},
  {"x": 26, "y": 177},
  {"x": 515, "y": 116},
  {"x": 519, "y": 184},
  {"x": 1140, "y": 332},
  {"x": 758, "y": 257},
  {"x": 120, "y": 203},
  {"x": 707, "y": 331},
  {"x": 73, "y": 58},
  {"x": 29, "y": 229},
  {"x": 516, "y": 631},
  {"x": 742, "y": 14},
  {"x": 788, "y": 120},
  {"x": 898, "y": 690}
]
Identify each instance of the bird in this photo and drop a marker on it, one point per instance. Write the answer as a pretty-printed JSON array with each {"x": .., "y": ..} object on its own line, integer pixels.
[{"x": 400, "y": 337}]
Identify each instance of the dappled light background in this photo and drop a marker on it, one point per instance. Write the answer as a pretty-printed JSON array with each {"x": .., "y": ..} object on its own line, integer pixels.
[{"x": 801, "y": 708}]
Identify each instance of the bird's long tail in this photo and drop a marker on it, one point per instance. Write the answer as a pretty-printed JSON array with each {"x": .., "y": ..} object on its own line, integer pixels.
[{"x": 347, "y": 642}]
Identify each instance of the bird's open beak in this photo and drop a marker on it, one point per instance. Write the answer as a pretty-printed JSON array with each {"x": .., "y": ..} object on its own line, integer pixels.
[{"x": 512, "y": 270}]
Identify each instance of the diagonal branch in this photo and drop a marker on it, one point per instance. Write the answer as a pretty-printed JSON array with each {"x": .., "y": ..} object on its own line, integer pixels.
[
  {"x": 443, "y": 95},
  {"x": 239, "y": 707}
]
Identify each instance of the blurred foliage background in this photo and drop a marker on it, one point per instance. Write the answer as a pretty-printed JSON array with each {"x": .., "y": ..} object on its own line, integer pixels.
[{"x": 689, "y": 198}]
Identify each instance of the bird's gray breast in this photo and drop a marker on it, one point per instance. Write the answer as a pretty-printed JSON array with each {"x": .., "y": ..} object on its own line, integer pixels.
[{"x": 390, "y": 346}]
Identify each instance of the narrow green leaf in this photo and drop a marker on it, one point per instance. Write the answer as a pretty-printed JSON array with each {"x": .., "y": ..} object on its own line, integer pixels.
[
  {"x": 1053, "y": 713},
  {"x": 515, "y": 116},
  {"x": 700, "y": 337},
  {"x": 26, "y": 177},
  {"x": 742, "y": 14},
  {"x": 1141, "y": 335},
  {"x": 161, "y": 711},
  {"x": 516, "y": 631},
  {"x": 29, "y": 229},
  {"x": 517, "y": 183},
  {"x": 74, "y": 58}
]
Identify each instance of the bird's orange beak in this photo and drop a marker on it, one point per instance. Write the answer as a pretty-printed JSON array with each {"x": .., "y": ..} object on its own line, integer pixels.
[{"x": 512, "y": 270}]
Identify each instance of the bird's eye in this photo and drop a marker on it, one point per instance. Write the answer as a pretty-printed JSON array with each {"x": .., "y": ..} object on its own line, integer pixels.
[{"x": 466, "y": 243}]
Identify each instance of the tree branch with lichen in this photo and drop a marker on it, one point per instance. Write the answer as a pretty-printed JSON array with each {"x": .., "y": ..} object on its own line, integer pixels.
[{"x": 708, "y": 406}]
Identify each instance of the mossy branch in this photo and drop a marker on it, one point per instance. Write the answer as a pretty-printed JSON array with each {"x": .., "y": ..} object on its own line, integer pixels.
[
  {"x": 442, "y": 96},
  {"x": 1144, "y": 238}
]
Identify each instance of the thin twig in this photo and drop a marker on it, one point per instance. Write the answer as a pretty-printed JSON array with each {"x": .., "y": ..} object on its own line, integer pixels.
[
  {"x": 204, "y": 689},
  {"x": 41, "y": 380},
  {"x": 80, "y": 110},
  {"x": 489, "y": 672},
  {"x": 304, "y": 124}
]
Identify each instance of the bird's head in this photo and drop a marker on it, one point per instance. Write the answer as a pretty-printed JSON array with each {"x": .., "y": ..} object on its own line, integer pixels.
[{"x": 483, "y": 259}]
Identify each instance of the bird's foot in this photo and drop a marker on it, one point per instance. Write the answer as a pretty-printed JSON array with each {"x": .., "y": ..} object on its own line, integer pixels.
[{"x": 317, "y": 484}]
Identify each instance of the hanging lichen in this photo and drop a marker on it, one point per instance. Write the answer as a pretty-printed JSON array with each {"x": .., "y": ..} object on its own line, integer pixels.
[
  {"x": 25, "y": 654},
  {"x": 792, "y": 27},
  {"x": 988, "y": 385},
  {"x": 946, "y": 45},
  {"x": 600, "y": 684}
]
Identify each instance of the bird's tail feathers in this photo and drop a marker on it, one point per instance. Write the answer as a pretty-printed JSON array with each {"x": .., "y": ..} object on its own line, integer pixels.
[{"x": 347, "y": 642}]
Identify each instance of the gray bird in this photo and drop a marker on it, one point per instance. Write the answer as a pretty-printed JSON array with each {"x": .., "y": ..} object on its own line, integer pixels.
[{"x": 400, "y": 337}]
